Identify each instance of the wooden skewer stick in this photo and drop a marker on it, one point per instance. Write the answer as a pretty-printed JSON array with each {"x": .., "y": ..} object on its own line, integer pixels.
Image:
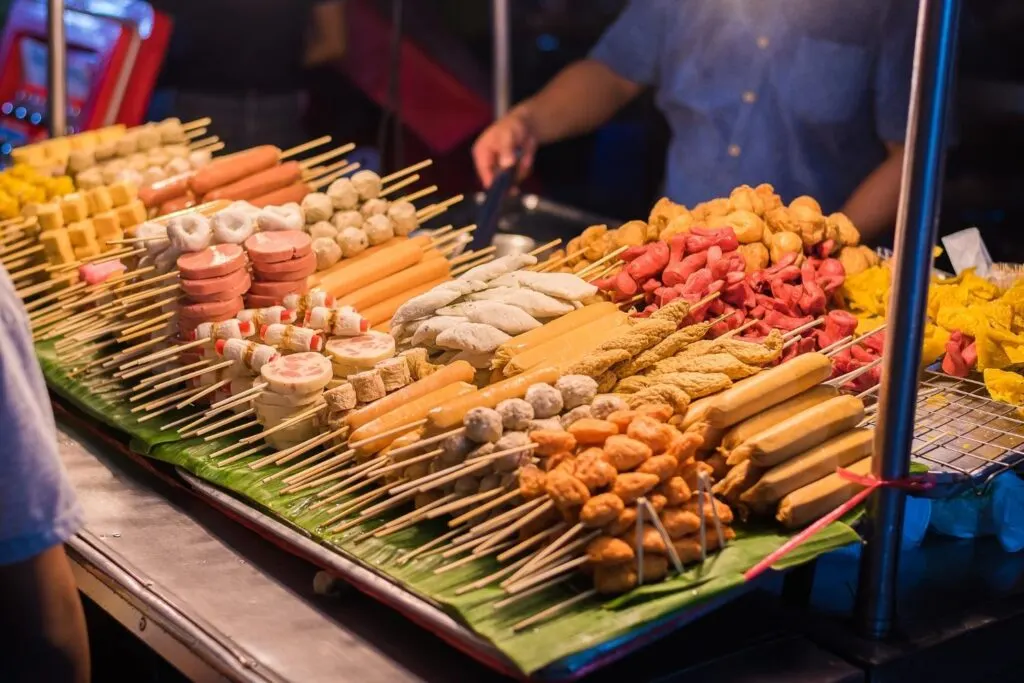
[
  {"x": 797, "y": 331},
  {"x": 324, "y": 181},
  {"x": 146, "y": 323},
  {"x": 28, "y": 251},
  {"x": 195, "y": 133},
  {"x": 471, "y": 558},
  {"x": 496, "y": 522},
  {"x": 842, "y": 345},
  {"x": 405, "y": 182},
  {"x": 419, "y": 194},
  {"x": 470, "y": 255},
  {"x": 362, "y": 519},
  {"x": 452, "y": 473},
  {"x": 228, "y": 449},
  {"x": 230, "y": 401},
  {"x": 536, "y": 539},
  {"x": 234, "y": 417},
  {"x": 33, "y": 307},
  {"x": 204, "y": 392},
  {"x": 13, "y": 246},
  {"x": 464, "y": 502},
  {"x": 306, "y": 146},
  {"x": 346, "y": 508},
  {"x": 32, "y": 290},
  {"x": 550, "y": 549},
  {"x": 305, "y": 480},
  {"x": 437, "y": 209},
  {"x": 212, "y": 148},
  {"x": 349, "y": 507},
  {"x": 301, "y": 465},
  {"x": 739, "y": 330},
  {"x": 30, "y": 271},
  {"x": 465, "y": 544},
  {"x": 160, "y": 402},
  {"x": 232, "y": 430},
  {"x": 553, "y": 610},
  {"x": 429, "y": 545},
  {"x": 288, "y": 454},
  {"x": 164, "y": 353},
  {"x": 190, "y": 425},
  {"x": 498, "y": 502},
  {"x": 854, "y": 374},
  {"x": 512, "y": 589},
  {"x": 397, "y": 430},
  {"x": 198, "y": 123},
  {"x": 295, "y": 419},
  {"x": 153, "y": 306},
  {"x": 405, "y": 463},
  {"x": 501, "y": 604},
  {"x": 536, "y": 251},
  {"x": 408, "y": 519},
  {"x": 470, "y": 266},
  {"x": 453, "y": 236},
  {"x": 321, "y": 171},
  {"x": 604, "y": 259},
  {"x": 339, "y": 490},
  {"x": 490, "y": 578},
  {"x": 320, "y": 158},
  {"x": 406, "y": 171},
  {"x": 195, "y": 144},
  {"x": 514, "y": 527},
  {"x": 238, "y": 456},
  {"x": 424, "y": 442}
]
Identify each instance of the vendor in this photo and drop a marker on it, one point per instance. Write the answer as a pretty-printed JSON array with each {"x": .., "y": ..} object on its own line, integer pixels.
[{"x": 808, "y": 95}]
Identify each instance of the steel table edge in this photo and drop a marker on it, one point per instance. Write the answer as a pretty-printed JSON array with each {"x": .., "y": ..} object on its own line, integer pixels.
[{"x": 208, "y": 643}]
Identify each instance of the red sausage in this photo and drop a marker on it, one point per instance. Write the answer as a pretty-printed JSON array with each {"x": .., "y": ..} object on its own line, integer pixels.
[
  {"x": 215, "y": 261},
  {"x": 234, "y": 167},
  {"x": 165, "y": 190},
  {"x": 283, "y": 271},
  {"x": 217, "y": 288},
  {"x": 277, "y": 246},
  {"x": 185, "y": 201},
  {"x": 278, "y": 290},
  {"x": 258, "y": 184},
  {"x": 261, "y": 301},
  {"x": 210, "y": 311},
  {"x": 295, "y": 192}
]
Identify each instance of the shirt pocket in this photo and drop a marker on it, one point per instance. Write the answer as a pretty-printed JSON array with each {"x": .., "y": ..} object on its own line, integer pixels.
[{"x": 827, "y": 81}]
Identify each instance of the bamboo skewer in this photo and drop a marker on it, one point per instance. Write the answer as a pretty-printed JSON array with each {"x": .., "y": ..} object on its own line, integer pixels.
[
  {"x": 405, "y": 182},
  {"x": 305, "y": 146},
  {"x": 419, "y": 194},
  {"x": 320, "y": 158},
  {"x": 406, "y": 171}
]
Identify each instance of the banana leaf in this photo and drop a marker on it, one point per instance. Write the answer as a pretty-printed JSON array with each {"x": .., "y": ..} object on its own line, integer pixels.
[{"x": 589, "y": 625}]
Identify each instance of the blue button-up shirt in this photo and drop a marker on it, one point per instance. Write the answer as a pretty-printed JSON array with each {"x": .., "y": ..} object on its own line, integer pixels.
[{"x": 802, "y": 94}]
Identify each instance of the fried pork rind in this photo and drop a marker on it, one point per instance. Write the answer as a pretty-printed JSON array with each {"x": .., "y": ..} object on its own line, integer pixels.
[
  {"x": 601, "y": 510},
  {"x": 600, "y": 362},
  {"x": 693, "y": 384},
  {"x": 605, "y": 550},
  {"x": 660, "y": 393},
  {"x": 722, "y": 363},
  {"x": 747, "y": 225},
  {"x": 631, "y": 234},
  {"x": 751, "y": 353},
  {"x": 805, "y": 203},
  {"x": 755, "y": 256},
  {"x": 669, "y": 346},
  {"x": 637, "y": 339}
]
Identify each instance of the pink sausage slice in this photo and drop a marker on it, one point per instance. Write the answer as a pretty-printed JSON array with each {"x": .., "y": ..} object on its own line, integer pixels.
[
  {"x": 278, "y": 290},
  {"x": 211, "y": 311},
  {"x": 262, "y": 301},
  {"x": 232, "y": 290},
  {"x": 277, "y": 246},
  {"x": 214, "y": 285},
  {"x": 295, "y": 269},
  {"x": 215, "y": 261}
]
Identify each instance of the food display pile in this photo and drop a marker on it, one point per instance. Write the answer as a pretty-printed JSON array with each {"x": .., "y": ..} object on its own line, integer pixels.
[{"x": 574, "y": 440}]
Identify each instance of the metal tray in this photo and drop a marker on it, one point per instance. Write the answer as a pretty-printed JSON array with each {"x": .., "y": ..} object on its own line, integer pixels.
[{"x": 429, "y": 614}]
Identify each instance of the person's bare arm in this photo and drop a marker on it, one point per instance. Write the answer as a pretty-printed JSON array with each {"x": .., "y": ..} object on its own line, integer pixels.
[
  {"x": 872, "y": 206},
  {"x": 327, "y": 37},
  {"x": 41, "y": 620},
  {"x": 579, "y": 99}
]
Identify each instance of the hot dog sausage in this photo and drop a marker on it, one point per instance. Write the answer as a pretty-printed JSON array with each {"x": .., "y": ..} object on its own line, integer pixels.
[
  {"x": 553, "y": 329},
  {"x": 228, "y": 169},
  {"x": 386, "y": 262},
  {"x": 162, "y": 191},
  {"x": 459, "y": 371},
  {"x": 185, "y": 201},
  {"x": 259, "y": 184},
  {"x": 805, "y": 505},
  {"x": 768, "y": 388},
  {"x": 425, "y": 271},
  {"x": 800, "y": 432},
  {"x": 776, "y": 414},
  {"x": 570, "y": 347},
  {"x": 295, "y": 192},
  {"x": 451, "y": 413},
  {"x": 410, "y": 413}
]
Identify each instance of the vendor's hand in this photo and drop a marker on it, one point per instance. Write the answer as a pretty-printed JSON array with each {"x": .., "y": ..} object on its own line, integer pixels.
[{"x": 496, "y": 148}]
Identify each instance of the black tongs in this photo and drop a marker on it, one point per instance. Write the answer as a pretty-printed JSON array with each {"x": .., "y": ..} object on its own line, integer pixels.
[{"x": 490, "y": 210}]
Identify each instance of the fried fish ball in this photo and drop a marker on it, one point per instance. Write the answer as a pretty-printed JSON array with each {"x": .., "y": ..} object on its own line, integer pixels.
[
  {"x": 593, "y": 469},
  {"x": 601, "y": 510},
  {"x": 566, "y": 490},
  {"x": 842, "y": 230},
  {"x": 592, "y": 432},
  {"x": 532, "y": 481},
  {"x": 609, "y": 550},
  {"x": 676, "y": 490},
  {"x": 664, "y": 211},
  {"x": 768, "y": 196},
  {"x": 755, "y": 256},
  {"x": 483, "y": 425},
  {"x": 746, "y": 198},
  {"x": 630, "y": 234},
  {"x": 551, "y": 442},
  {"x": 551, "y": 424},
  {"x": 661, "y": 466},
  {"x": 614, "y": 579},
  {"x": 622, "y": 418},
  {"x": 632, "y": 485},
  {"x": 564, "y": 461},
  {"x": 454, "y": 449},
  {"x": 655, "y": 435},
  {"x": 679, "y": 522},
  {"x": 515, "y": 414},
  {"x": 625, "y": 453},
  {"x": 748, "y": 226},
  {"x": 805, "y": 202}
]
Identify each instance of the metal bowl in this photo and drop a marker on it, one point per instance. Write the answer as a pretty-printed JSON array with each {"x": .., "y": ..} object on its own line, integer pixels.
[{"x": 505, "y": 244}]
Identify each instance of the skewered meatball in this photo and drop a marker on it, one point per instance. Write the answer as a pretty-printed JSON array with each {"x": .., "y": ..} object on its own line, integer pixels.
[
  {"x": 177, "y": 166},
  {"x": 343, "y": 194},
  {"x": 576, "y": 390},
  {"x": 347, "y": 219},
  {"x": 551, "y": 424},
  {"x": 454, "y": 449},
  {"x": 515, "y": 414},
  {"x": 545, "y": 399},
  {"x": 466, "y": 485},
  {"x": 323, "y": 229},
  {"x": 317, "y": 207},
  {"x": 378, "y": 229},
  {"x": 532, "y": 480},
  {"x": 352, "y": 241},
  {"x": 327, "y": 252},
  {"x": 176, "y": 151},
  {"x": 577, "y": 413},
  {"x": 374, "y": 207},
  {"x": 367, "y": 184},
  {"x": 491, "y": 481},
  {"x": 403, "y": 215},
  {"x": 483, "y": 425},
  {"x": 200, "y": 158},
  {"x": 603, "y": 406}
]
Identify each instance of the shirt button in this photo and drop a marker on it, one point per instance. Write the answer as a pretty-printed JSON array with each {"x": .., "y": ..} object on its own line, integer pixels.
[
  {"x": 762, "y": 42},
  {"x": 750, "y": 97},
  {"x": 734, "y": 150}
]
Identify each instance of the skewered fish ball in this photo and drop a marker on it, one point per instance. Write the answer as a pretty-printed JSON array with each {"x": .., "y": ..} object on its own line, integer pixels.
[
  {"x": 511, "y": 461},
  {"x": 322, "y": 229},
  {"x": 327, "y": 252},
  {"x": 347, "y": 219},
  {"x": 367, "y": 184},
  {"x": 454, "y": 449},
  {"x": 466, "y": 485},
  {"x": 378, "y": 229},
  {"x": 577, "y": 413},
  {"x": 576, "y": 390},
  {"x": 489, "y": 482},
  {"x": 343, "y": 194},
  {"x": 374, "y": 207},
  {"x": 200, "y": 158},
  {"x": 545, "y": 400},
  {"x": 601, "y": 510},
  {"x": 551, "y": 424},
  {"x": 352, "y": 241},
  {"x": 483, "y": 425},
  {"x": 532, "y": 482},
  {"x": 317, "y": 206},
  {"x": 403, "y": 215},
  {"x": 515, "y": 414}
]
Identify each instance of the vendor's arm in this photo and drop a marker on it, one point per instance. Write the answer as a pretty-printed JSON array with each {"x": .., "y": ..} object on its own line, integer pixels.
[
  {"x": 872, "y": 206},
  {"x": 582, "y": 97},
  {"x": 41, "y": 620}
]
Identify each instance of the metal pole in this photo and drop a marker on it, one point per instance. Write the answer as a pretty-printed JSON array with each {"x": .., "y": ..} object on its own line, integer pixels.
[
  {"x": 57, "y": 94},
  {"x": 502, "y": 29},
  {"x": 916, "y": 227}
]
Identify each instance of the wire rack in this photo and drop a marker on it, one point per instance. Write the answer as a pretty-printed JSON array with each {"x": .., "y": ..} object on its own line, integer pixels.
[{"x": 960, "y": 431}]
